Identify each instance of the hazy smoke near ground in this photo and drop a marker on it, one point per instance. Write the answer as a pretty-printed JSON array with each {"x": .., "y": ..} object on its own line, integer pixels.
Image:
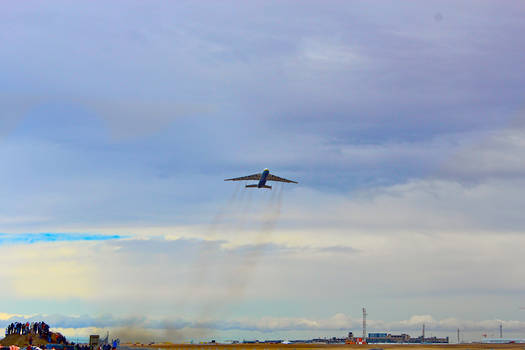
[{"x": 147, "y": 335}]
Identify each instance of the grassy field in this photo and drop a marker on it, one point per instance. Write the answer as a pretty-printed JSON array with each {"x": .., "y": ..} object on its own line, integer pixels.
[{"x": 335, "y": 347}]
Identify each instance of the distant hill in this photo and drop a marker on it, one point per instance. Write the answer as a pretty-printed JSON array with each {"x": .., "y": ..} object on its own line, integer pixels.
[{"x": 23, "y": 340}]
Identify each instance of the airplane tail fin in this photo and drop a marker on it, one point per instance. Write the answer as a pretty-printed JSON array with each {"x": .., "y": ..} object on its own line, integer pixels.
[{"x": 255, "y": 185}]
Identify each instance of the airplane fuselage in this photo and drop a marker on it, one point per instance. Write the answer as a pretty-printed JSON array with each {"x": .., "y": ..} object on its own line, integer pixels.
[{"x": 262, "y": 180}]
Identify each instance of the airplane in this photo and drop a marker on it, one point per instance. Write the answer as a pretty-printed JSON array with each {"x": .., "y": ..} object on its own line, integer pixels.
[{"x": 262, "y": 178}]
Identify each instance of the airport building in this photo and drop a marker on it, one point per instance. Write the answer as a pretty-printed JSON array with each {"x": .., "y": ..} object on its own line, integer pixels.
[
  {"x": 387, "y": 338},
  {"x": 503, "y": 341}
]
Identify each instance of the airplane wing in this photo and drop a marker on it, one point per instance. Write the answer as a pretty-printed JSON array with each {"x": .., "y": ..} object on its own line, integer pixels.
[
  {"x": 272, "y": 177},
  {"x": 249, "y": 177}
]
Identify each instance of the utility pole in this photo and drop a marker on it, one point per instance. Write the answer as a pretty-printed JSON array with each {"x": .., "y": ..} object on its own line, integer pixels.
[
  {"x": 423, "y": 338},
  {"x": 501, "y": 330},
  {"x": 364, "y": 324},
  {"x": 458, "y": 337}
]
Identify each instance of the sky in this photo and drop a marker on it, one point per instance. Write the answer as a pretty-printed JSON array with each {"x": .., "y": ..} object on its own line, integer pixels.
[{"x": 402, "y": 121}]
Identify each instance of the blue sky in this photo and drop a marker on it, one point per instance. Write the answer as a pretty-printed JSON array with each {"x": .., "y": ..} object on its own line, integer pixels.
[{"x": 402, "y": 122}]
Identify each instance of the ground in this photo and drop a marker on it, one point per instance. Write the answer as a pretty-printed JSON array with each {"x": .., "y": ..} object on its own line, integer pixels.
[
  {"x": 22, "y": 340},
  {"x": 472, "y": 346}
]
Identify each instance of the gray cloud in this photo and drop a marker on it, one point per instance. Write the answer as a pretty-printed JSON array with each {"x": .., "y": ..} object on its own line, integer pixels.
[{"x": 351, "y": 91}]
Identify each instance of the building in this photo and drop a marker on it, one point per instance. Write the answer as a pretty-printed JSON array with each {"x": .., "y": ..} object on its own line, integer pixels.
[
  {"x": 333, "y": 340},
  {"x": 386, "y": 338},
  {"x": 355, "y": 340},
  {"x": 94, "y": 341},
  {"x": 377, "y": 335},
  {"x": 503, "y": 341}
]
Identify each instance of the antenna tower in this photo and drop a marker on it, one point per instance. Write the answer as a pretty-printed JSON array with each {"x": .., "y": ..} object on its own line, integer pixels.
[
  {"x": 423, "y": 338},
  {"x": 458, "y": 337},
  {"x": 364, "y": 324},
  {"x": 501, "y": 330}
]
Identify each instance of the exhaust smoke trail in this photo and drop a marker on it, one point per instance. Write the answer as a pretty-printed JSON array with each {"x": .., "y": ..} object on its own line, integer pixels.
[
  {"x": 204, "y": 255},
  {"x": 232, "y": 218},
  {"x": 219, "y": 217},
  {"x": 249, "y": 262},
  {"x": 240, "y": 268},
  {"x": 244, "y": 266},
  {"x": 222, "y": 222}
]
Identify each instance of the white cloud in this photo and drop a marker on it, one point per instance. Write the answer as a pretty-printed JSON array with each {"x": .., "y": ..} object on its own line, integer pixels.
[
  {"x": 6, "y": 316},
  {"x": 55, "y": 271},
  {"x": 457, "y": 233},
  {"x": 328, "y": 55},
  {"x": 493, "y": 154},
  {"x": 182, "y": 330}
]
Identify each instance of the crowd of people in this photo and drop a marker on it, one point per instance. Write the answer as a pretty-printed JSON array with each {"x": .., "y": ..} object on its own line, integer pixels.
[
  {"x": 107, "y": 346},
  {"x": 40, "y": 329},
  {"x": 56, "y": 340},
  {"x": 37, "y": 328},
  {"x": 82, "y": 347}
]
